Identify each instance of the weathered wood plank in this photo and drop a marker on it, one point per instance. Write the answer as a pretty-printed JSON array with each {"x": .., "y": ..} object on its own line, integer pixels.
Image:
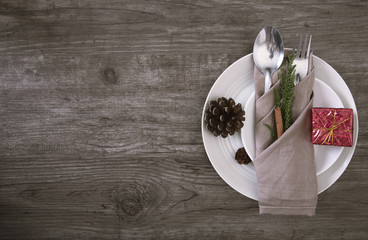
[{"x": 100, "y": 111}]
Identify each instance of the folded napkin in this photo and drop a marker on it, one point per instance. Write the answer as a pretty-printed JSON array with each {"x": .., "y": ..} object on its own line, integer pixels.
[{"x": 285, "y": 169}]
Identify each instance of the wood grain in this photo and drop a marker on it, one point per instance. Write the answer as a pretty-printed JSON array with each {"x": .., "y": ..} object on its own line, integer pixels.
[{"x": 100, "y": 112}]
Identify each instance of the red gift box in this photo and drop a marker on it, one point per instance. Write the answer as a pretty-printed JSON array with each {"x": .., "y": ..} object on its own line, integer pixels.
[{"x": 332, "y": 126}]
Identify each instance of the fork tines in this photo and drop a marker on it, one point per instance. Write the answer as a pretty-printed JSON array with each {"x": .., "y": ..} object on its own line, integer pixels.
[{"x": 302, "y": 51}]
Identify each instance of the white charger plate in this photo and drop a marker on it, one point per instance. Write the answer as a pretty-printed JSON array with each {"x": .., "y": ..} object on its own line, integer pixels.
[
  {"x": 237, "y": 82},
  {"x": 325, "y": 156}
]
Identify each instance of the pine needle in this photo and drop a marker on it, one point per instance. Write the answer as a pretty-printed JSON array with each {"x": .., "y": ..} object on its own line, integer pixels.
[
  {"x": 272, "y": 131},
  {"x": 277, "y": 98}
]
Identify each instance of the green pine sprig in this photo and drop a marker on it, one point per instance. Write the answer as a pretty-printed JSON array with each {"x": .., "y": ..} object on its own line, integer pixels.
[
  {"x": 287, "y": 77},
  {"x": 284, "y": 97}
]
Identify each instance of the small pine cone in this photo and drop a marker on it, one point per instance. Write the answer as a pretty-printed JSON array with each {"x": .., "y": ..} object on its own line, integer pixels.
[
  {"x": 223, "y": 117},
  {"x": 242, "y": 157}
]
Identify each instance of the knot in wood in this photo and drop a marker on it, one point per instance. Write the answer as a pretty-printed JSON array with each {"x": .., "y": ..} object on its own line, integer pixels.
[
  {"x": 109, "y": 76},
  {"x": 135, "y": 201},
  {"x": 131, "y": 207}
]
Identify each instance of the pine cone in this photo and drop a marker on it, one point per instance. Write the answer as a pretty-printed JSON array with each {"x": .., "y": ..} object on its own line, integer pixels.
[
  {"x": 242, "y": 157},
  {"x": 223, "y": 117}
]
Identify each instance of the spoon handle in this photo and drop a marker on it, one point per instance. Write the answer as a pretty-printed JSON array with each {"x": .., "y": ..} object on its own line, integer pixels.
[{"x": 268, "y": 81}]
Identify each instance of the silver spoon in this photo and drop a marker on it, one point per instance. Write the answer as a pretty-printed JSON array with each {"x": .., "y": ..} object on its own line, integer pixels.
[{"x": 268, "y": 53}]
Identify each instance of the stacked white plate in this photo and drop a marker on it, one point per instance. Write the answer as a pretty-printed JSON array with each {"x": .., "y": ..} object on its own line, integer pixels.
[{"x": 237, "y": 82}]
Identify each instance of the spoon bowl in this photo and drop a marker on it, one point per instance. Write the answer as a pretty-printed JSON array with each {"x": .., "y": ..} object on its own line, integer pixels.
[{"x": 268, "y": 53}]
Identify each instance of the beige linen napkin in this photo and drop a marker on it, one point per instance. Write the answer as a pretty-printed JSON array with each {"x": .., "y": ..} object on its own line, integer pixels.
[{"x": 285, "y": 169}]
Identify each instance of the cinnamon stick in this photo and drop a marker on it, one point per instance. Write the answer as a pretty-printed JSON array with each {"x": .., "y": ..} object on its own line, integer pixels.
[{"x": 279, "y": 124}]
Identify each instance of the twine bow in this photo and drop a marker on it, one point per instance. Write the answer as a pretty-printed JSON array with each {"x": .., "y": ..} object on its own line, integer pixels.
[{"x": 331, "y": 129}]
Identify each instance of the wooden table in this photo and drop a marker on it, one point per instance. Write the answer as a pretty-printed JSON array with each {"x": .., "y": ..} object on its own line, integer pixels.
[{"x": 100, "y": 118}]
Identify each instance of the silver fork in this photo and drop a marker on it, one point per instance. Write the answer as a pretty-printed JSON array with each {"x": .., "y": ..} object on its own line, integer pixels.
[{"x": 302, "y": 57}]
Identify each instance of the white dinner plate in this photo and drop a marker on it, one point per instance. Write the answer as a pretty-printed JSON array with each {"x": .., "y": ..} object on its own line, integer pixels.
[
  {"x": 325, "y": 156},
  {"x": 237, "y": 82}
]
